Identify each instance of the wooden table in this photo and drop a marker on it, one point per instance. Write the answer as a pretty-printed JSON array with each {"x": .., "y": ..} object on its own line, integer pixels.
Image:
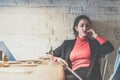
[{"x": 42, "y": 71}]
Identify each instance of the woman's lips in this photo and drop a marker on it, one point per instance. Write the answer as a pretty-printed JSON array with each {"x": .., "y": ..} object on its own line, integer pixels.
[{"x": 85, "y": 32}]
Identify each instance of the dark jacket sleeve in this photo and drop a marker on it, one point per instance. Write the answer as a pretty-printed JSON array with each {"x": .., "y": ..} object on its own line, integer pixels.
[
  {"x": 59, "y": 52},
  {"x": 105, "y": 48}
]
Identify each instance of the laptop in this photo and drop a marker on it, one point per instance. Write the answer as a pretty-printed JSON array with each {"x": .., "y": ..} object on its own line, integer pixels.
[{"x": 6, "y": 51}]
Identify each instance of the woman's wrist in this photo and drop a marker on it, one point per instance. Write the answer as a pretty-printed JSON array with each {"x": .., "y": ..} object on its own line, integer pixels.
[
  {"x": 95, "y": 35},
  {"x": 100, "y": 39}
]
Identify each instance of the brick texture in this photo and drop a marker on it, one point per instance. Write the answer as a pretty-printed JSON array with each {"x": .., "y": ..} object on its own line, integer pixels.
[{"x": 31, "y": 27}]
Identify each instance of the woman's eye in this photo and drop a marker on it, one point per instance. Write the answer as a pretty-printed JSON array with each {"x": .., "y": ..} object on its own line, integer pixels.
[{"x": 82, "y": 25}]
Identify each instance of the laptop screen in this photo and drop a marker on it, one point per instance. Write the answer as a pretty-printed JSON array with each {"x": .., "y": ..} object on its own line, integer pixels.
[{"x": 6, "y": 51}]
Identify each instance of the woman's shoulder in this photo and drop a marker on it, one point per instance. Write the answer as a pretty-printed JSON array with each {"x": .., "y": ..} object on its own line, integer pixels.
[{"x": 70, "y": 40}]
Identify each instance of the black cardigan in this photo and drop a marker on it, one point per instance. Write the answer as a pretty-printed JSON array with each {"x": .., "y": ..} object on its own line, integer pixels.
[{"x": 96, "y": 50}]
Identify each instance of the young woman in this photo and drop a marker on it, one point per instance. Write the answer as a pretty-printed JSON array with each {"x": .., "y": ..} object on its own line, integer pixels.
[{"x": 82, "y": 54}]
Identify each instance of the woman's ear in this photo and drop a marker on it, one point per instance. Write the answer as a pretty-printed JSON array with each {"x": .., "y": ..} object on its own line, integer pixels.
[{"x": 76, "y": 28}]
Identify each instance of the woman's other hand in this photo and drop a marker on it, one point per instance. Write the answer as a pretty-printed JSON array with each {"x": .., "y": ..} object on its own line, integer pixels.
[{"x": 62, "y": 61}]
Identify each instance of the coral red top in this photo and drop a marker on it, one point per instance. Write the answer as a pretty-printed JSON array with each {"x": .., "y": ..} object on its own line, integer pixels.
[{"x": 80, "y": 55}]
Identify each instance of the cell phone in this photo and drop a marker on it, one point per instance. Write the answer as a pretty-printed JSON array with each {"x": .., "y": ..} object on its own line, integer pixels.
[{"x": 90, "y": 35}]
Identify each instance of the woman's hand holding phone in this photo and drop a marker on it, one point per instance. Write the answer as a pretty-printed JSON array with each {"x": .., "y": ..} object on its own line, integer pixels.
[{"x": 92, "y": 33}]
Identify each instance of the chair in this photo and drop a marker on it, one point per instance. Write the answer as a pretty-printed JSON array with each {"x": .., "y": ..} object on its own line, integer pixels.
[
  {"x": 116, "y": 72},
  {"x": 104, "y": 66}
]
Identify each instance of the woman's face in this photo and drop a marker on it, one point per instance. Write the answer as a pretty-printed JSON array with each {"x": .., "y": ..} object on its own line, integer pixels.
[{"x": 82, "y": 28}]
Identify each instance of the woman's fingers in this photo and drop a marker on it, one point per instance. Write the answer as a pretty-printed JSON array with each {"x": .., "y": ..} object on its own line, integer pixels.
[{"x": 63, "y": 62}]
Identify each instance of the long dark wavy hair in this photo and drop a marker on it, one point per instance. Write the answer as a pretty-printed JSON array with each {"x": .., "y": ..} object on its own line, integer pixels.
[{"x": 76, "y": 22}]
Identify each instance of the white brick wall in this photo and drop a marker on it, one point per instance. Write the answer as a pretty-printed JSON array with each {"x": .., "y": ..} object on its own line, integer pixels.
[{"x": 29, "y": 30}]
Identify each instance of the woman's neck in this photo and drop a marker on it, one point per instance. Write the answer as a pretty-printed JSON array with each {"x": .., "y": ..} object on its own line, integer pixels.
[{"x": 82, "y": 37}]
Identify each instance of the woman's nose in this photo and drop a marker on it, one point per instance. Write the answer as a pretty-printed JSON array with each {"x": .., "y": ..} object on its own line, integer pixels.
[{"x": 85, "y": 27}]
